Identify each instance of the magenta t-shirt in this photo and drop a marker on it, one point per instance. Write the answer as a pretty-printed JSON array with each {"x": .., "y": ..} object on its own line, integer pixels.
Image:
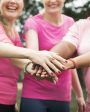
[
  {"x": 48, "y": 35},
  {"x": 8, "y": 72}
]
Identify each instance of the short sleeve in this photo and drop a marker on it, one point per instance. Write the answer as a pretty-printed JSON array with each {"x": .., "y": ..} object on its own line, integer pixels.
[
  {"x": 73, "y": 35},
  {"x": 30, "y": 23},
  {"x": 3, "y": 37}
]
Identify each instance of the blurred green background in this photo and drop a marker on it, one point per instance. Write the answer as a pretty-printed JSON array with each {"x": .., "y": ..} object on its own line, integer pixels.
[{"x": 76, "y": 8}]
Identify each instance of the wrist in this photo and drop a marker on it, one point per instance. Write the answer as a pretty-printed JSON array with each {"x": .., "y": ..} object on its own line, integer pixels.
[
  {"x": 30, "y": 54},
  {"x": 79, "y": 96},
  {"x": 72, "y": 63}
]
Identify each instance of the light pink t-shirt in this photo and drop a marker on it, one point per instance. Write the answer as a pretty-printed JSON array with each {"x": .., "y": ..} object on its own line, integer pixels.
[
  {"x": 79, "y": 35},
  {"x": 8, "y": 72},
  {"x": 48, "y": 35}
]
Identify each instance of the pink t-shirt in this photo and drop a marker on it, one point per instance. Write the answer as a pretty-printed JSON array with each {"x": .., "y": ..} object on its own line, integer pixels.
[
  {"x": 48, "y": 35},
  {"x": 8, "y": 72},
  {"x": 79, "y": 35}
]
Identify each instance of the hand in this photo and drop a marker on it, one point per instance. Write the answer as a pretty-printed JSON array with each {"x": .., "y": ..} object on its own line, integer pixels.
[
  {"x": 30, "y": 68},
  {"x": 48, "y": 60},
  {"x": 43, "y": 75},
  {"x": 16, "y": 108},
  {"x": 68, "y": 65},
  {"x": 40, "y": 74},
  {"x": 81, "y": 104}
]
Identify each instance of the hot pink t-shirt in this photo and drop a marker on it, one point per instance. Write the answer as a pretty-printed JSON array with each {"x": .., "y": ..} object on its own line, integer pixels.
[
  {"x": 79, "y": 35},
  {"x": 8, "y": 72},
  {"x": 48, "y": 35}
]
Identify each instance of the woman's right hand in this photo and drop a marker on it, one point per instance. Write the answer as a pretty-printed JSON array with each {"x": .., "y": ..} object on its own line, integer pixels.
[
  {"x": 50, "y": 61},
  {"x": 40, "y": 74}
]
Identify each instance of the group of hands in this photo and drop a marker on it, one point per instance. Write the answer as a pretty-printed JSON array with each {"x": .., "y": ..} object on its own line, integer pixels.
[{"x": 49, "y": 66}]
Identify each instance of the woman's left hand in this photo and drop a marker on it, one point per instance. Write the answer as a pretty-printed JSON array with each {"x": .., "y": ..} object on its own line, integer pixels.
[{"x": 81, "y": 104}]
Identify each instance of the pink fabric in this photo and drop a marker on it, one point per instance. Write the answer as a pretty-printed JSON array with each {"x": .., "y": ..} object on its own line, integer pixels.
[
  {"x": 48, "y": 36},
  {"x": 8, "y": 72},
  {"x": 79, "y": 35}
]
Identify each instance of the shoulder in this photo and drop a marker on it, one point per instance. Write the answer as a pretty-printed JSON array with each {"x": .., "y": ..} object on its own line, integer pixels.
[
  {"x": 34, "y": 19},
  {"x": 68, "y": 18},
  {"x": 33, "y": 23}
]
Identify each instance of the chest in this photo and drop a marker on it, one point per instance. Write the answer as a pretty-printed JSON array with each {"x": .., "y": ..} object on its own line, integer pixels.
[{"x": 50, "y": 36}]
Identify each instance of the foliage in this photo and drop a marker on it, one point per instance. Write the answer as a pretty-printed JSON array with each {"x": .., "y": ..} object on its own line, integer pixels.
[{"x": 32, "y": 7}]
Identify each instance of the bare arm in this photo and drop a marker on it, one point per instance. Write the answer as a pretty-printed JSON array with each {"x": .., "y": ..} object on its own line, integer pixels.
[
  {"x": 64, "y": 49},
  {"x": 40, "y": 57},
  {"x": 11, "y": 51},
  {"x": 79, "y": 61},
  {"x": 31, "y": 43},
  {"x": 82, "y": 60},
  {"x": 78, "y": 91},
  {"x": 76, "y": 84}
]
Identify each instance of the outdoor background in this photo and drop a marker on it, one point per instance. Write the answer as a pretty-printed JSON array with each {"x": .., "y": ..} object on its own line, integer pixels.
[{"x": 77, "y": 9}]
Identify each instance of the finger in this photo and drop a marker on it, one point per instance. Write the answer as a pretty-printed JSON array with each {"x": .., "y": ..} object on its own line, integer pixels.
[
  {"x": 34, "y": 65},
  {"x": 84, "y": 107},
  {"x": 80, "y": 108},
  {"x": 39, "y": 72},
  {"x": 44, "y": 74},
  {"x": 49, "y": 71},
  {"x": 35, "y": 70},
  {"x": 52, "y": 66},
  {"x": 59, "y": 65},
  {"x": 59, "y": 58},
  {"x": 55, "y": 78}
]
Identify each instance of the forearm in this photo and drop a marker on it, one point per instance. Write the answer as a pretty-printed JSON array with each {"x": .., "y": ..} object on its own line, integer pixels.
[
  {"x": 76, "y": 84},
  {"x": 82, "y": 60},
  {"x": 10, "y": 51},
  {"x": 20, "y": 63},
  {"x": 64, "y": 49}
]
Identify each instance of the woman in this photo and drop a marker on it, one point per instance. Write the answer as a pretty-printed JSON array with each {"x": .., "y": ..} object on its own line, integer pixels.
[
  {"x": 10, "y": 10},
  {"x": 42, "y": 32},
  {"x": 77, "y": 39}
]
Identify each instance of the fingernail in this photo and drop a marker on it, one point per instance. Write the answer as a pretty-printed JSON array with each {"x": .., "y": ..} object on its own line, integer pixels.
[
  {"x": 63, "y": 68},
  {"x": 66, "y": 61},
  {"x": 37, "y": 74}
]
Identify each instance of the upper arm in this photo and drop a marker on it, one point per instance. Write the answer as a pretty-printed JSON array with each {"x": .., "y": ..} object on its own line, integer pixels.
[
  {"x": 31, "y": 33},
  {"x": 32, "y": 39},
  {"x": 70, "y": 42}
]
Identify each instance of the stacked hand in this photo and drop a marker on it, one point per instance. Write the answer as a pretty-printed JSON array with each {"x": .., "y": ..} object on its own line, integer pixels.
[
  {"x": 50, "y": 61},
  {"x": 40, "y": 74},
  {"x": 48, "y": 65}
]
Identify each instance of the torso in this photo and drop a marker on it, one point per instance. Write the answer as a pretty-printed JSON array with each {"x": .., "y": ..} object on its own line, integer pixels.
[
  {"x": 48, "y": 35},
  {"x": 8, "y": 72}
]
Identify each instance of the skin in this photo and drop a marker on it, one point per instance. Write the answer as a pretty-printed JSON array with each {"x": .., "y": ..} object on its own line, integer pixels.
[
  {"x": 10, "y": 11},
  {"x": 80, "y": 61},
  {"x": 52, "y": 14}
]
